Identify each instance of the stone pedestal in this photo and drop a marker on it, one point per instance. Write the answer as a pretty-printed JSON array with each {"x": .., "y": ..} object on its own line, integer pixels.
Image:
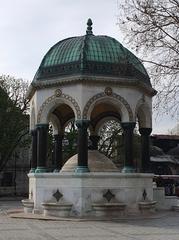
[{"x": 84, "y": 190}]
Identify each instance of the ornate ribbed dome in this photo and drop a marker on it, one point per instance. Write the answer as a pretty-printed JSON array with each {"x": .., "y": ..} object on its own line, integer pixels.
[{"x": 93, "y": 55}]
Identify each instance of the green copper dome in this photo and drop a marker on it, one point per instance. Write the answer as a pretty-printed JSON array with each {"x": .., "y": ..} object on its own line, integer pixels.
[{"x": 91, "y": 55}]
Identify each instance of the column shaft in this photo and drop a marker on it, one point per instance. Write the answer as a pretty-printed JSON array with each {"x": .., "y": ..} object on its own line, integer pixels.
[
  {"x": 34, "y": 151},
  {"x": 42, "y": 133},
  {"x": 128, "y": 128},
  {"x": 82, "y": 145},
  {"x": 145, "y": 149}
]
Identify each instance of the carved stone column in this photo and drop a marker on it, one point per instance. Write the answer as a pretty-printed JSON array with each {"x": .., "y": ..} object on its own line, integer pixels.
[
  {"x": 34, "y": 151},
  {"x": 82, "y": 146},
  {"x": 128, "y": 128},
  {"x": 145, "y": 149},
  {"x": 42, "y": 133}
]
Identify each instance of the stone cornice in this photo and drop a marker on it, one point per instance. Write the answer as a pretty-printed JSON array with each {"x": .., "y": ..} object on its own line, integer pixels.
[{"x": 125, "y": 82}]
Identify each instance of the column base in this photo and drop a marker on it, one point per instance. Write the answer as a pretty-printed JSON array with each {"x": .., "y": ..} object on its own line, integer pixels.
[
  {"x": 32, "y": 170},
  {"x": 81, "y": 169},
  {"x": 128, "y": 169},
  {"x": 41, "y": 170}
]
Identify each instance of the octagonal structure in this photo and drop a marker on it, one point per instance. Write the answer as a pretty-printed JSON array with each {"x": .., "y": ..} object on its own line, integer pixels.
[{"x": 90, "y": 79}]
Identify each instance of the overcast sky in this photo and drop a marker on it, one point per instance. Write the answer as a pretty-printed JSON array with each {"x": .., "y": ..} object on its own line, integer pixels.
[{"x": 30, "y": 27}]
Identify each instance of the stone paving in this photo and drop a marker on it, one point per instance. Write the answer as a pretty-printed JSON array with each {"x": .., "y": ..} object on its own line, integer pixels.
[{"x": 164, "y": 226}]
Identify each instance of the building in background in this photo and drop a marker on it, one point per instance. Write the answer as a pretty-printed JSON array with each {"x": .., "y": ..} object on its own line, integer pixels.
[{"x": 13, "y": 178}]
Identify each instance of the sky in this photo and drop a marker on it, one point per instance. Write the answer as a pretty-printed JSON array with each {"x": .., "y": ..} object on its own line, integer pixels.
[{"x": 30, "y": 27}]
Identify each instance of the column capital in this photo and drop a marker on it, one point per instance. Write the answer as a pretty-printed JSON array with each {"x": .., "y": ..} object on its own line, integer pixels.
[
  {"x": 128, "y": 125},
  {"x": 145, "y": 131},
  {"x": 42, "y": 125},
  {"x": 82, "y": 123}
]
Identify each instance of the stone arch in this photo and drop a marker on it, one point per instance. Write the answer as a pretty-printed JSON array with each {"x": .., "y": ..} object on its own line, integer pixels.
[
  {"x": 125, "y": 109},
  {"x": 143, "y": 113},
  {"x": 55, "y": 124},
  {"x": 52, "y": 102}
]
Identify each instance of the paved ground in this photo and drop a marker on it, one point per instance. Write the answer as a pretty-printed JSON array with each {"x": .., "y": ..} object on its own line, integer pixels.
[{"x": 163, "y": 227}]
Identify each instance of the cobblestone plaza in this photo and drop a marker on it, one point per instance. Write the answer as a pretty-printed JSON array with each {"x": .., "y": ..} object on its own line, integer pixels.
[{"x": 161, "y": 226}]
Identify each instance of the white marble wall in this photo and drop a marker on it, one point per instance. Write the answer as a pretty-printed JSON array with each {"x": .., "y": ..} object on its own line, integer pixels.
[
  {"x": 164, "y": 202},
  {"x": 81, "y": 93},
  {"x": 82, "y": 190}
]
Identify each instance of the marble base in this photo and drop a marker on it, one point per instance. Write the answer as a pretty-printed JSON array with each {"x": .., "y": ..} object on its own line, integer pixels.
[
  {"x": 28, "y": 205},
  {"x": 56, "y": 209},
  {"x": 147, "y": 207},
  {"x": 109, "y": 209},
  {"x": 85, "y": 189}
]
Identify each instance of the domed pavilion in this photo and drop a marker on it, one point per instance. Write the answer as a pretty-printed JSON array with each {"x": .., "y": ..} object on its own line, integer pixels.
[{"x": 91, "y": 79}]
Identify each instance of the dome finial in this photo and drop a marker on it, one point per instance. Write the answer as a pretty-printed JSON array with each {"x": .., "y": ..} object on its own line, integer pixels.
[{"x": 89, "y": 28}]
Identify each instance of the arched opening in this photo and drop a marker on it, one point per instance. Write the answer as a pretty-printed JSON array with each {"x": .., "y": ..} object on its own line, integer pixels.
[
  {"x": 61, "y": 142},
  {"x": 105, "y": 124},
  {"x": 106, "y": 117},
  {"x": 70, "y": 139},
  {"x": 64, "y": 113},
  {"x": 111, "y": 141},
  {"x": 50, "y": 138},
  {"x": 115, "y": 100},
  {"x": 101, "y": 111}
]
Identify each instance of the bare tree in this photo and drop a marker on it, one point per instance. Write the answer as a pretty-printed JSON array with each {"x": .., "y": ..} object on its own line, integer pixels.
[
  {"x": 151, "y": 28},
  {"x": 14, "y": 118},
  {"x": 16, "y": 89}
]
